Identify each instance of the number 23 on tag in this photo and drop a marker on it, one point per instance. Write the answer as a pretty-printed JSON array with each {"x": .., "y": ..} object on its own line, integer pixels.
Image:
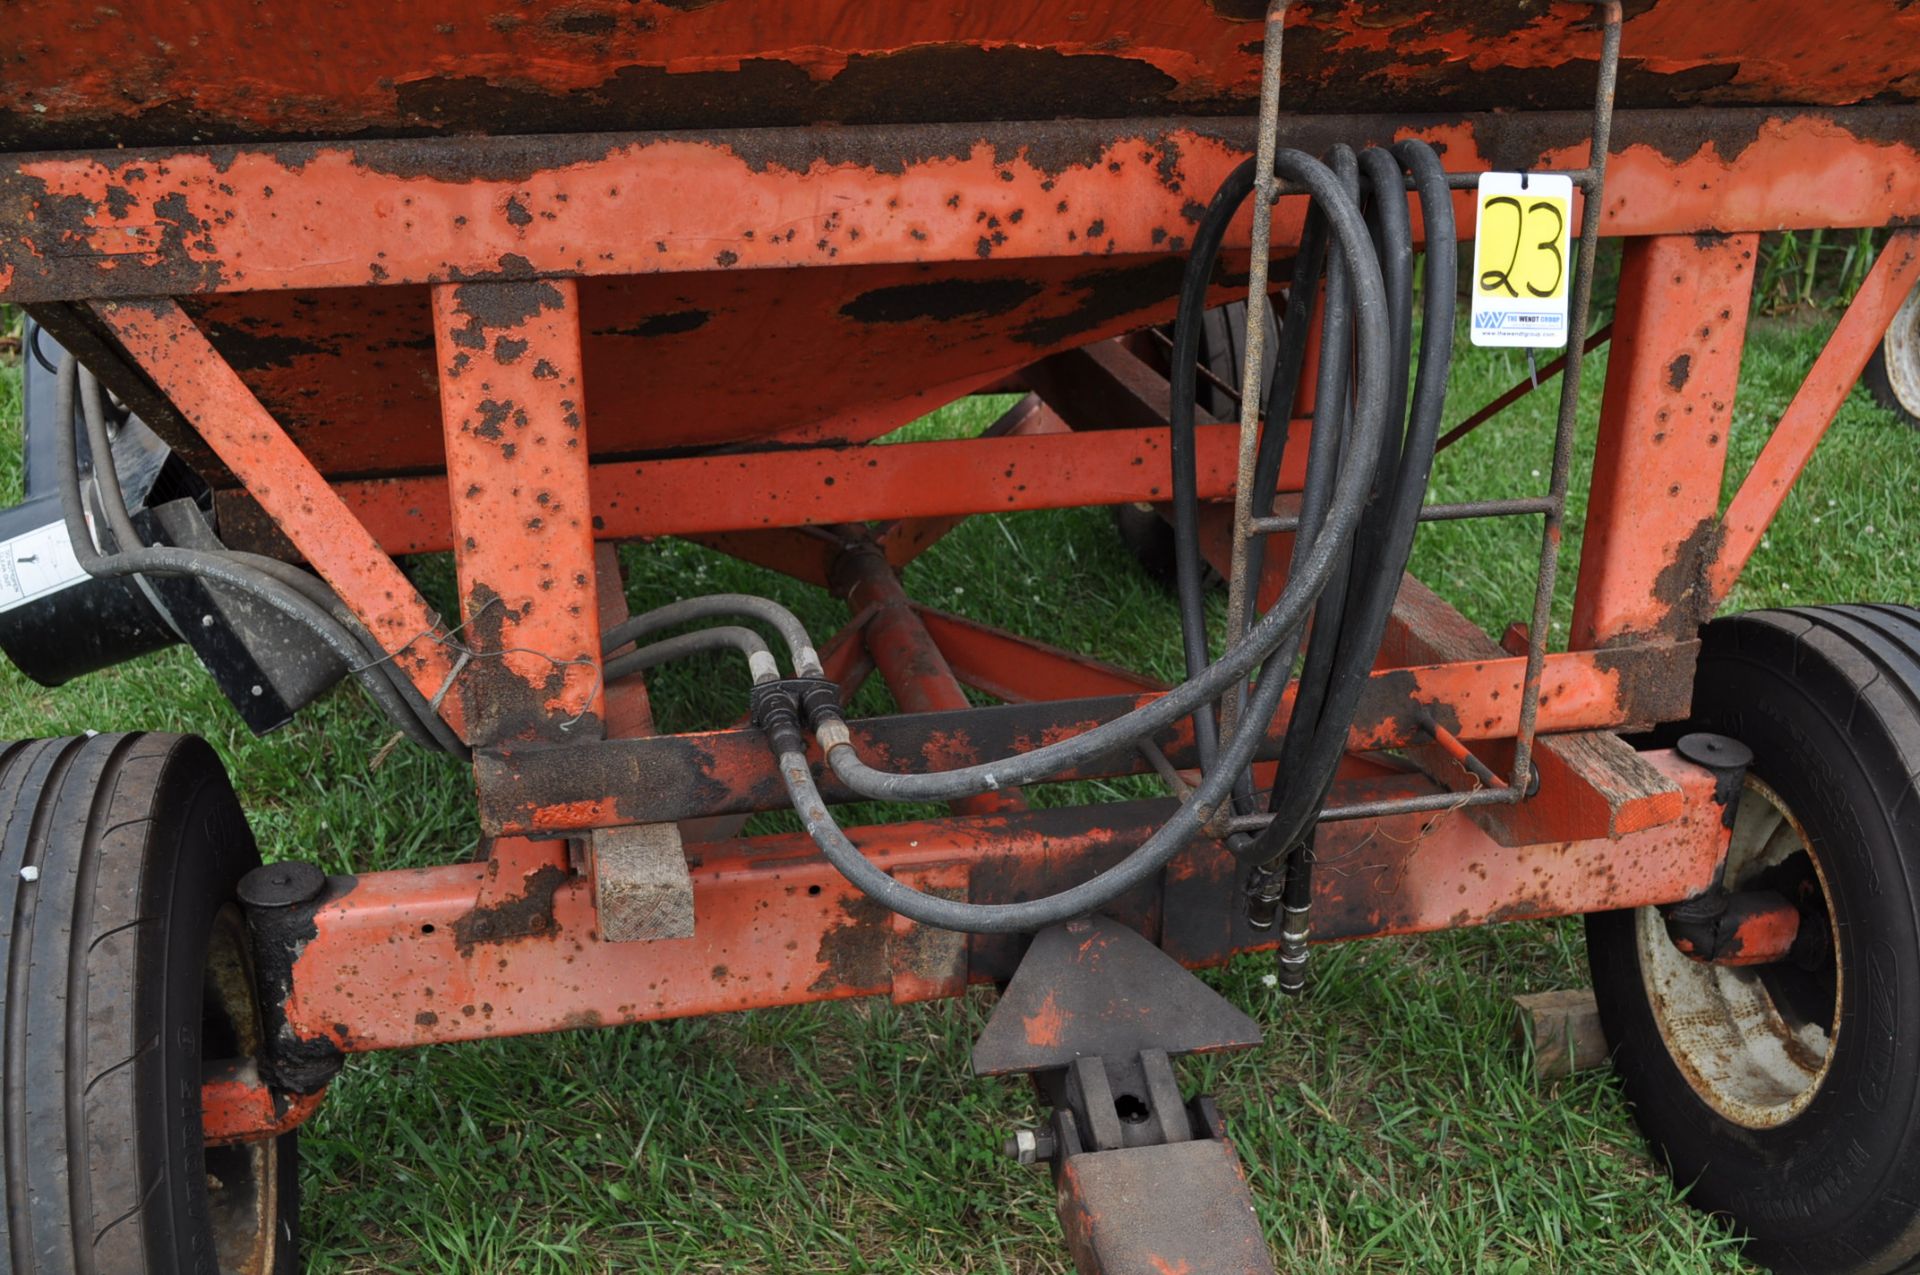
[{"x": 1521, "y": 259}]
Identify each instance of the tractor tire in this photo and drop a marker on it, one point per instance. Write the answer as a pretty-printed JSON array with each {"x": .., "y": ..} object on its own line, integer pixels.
[
  {"x": 1786, "y": 1097},
  {"x": 1892, "y": 375},
  {"x": 126, "y": 963}
]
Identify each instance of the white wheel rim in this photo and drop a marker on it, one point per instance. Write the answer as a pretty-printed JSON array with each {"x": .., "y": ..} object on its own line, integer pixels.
[
  {"x": 243, "y": 1181},
  {"x": 1901, "y": 349},
  {"x": 1739, "y": 1051}
]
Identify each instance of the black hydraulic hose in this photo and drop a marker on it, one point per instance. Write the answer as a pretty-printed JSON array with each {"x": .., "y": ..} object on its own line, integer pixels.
[
  {"x": 215, "y": 567},
  {"x": 1296, "y": 804},
  {"x": 1317, "y": 565},
  {"x": 1182, "y": 389},
  {"x": 433, "y": 732},
  {"x": 721, "y": 637},
  {"x": 1330, "y": 405},
  {"x": 713, "y": 606},
  {"x": 1325, "y": 444},
  {"x": 1331, "y": 652},
  {"x": 1303, "y": 293},
  {"x": 1028, "y": 914},
  {"x": 1182, "y": 383},
  {"x": 321, "y": 595},
  {"x": 420, "y": 721},
  {"x": 106, "y": 475}
]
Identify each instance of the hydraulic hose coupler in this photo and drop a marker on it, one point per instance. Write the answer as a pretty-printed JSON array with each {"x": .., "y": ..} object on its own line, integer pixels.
[
  {"x": 1264, "y": 887},
  {"x": 1266, "y": 903},
  {"x": 779, "y": 707},
  {"x": 1290, "y": 959}
]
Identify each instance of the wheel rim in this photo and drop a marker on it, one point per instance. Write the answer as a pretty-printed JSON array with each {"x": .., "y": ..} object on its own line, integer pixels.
[
  {"x": 1754, "y": 1042},
  {"x": 1901, "y": 349},
  {"x": 243, "y": 1180}
]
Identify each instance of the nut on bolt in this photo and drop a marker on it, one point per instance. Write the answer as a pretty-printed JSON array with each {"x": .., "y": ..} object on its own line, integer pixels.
[{"x": 1029, "y": 1146}]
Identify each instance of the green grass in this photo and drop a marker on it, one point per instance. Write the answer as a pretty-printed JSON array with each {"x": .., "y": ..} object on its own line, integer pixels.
[{"x": 1388, "y": 1122}]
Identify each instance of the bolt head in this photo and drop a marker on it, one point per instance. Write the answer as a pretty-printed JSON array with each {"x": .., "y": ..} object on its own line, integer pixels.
[
  {"x": 282, "y": 885},
  {"x": 1715, "y": 752}
]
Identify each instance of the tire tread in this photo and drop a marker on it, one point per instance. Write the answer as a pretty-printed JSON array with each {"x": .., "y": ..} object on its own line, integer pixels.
[
  {"x": 1849, "y": 673},
  {"x": 130, "y": 833}
]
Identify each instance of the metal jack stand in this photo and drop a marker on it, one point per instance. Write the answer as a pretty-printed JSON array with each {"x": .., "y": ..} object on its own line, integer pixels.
[{"x": 1147, "y": 1181}]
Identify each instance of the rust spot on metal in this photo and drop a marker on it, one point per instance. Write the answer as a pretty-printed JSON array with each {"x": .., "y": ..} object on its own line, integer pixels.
[
  {"x": 1650, "y": 690},
  {"x": 504, "y": 303},
  {"x": 855, "y": 954},
  {"x": 1682, "y": 587},
  {"x": 1104, "y": 296},
  {"x": 672, "y": 323},
  {"x": 527, "y": 915},
  {"x": 1678, "y": 371}
]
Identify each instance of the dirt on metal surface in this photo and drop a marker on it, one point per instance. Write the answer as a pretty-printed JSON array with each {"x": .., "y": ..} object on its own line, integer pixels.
[
  {"x": 778, "y": 925},
  {"x": 543, "y": 790},
  {"x": 521, "y": 916},
  {"x": 152, "y": 72}
]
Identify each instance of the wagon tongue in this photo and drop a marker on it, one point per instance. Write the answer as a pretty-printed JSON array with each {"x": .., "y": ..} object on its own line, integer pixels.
[{"x": 1147, "y": 1181}]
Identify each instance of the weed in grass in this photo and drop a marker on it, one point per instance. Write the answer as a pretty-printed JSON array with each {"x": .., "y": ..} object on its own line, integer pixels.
[{"x": 1386, "y": 1122}]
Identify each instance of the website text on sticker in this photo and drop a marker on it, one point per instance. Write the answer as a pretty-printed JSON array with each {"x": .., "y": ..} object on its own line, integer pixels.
[{"x": 1522, "y": 259}]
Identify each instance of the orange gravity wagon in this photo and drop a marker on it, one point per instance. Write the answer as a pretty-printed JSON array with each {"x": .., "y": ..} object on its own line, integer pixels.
[{"x": 315, "y": 289}]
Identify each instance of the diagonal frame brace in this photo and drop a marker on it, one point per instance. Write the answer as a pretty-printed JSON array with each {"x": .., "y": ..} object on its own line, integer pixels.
[{"x": 1895, "y": 273}]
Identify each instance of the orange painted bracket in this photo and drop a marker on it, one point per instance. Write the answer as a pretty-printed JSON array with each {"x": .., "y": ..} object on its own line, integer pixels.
[
  {"x": 237, "y": 1106},
  {"x": 514, "y": 418},
  {"x": 1591, "y": 783},
  {"x": 1652, "y": 519},
  {"x": 170, "y": 348},
  {"x": 1895, "y": 273}
]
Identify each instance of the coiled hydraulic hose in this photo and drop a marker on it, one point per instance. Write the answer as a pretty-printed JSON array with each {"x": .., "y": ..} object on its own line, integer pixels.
[
  {"x": 1350, "y": 493},
  {"x": 1345, "y": 489},
  {"x": 1330, "y": 689}
]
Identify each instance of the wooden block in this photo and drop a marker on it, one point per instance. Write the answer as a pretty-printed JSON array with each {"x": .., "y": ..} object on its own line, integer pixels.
[
  {"x": 1564, "y": 1031},
  {"x": 641, "y": 887},
  {"x": 1592, "y": 784}
]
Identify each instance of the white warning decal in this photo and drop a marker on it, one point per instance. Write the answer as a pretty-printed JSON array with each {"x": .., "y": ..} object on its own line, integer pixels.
[{"x": 36, "y": 564}]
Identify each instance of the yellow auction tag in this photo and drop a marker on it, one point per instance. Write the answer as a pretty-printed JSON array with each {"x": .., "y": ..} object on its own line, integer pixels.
[{"x": 1522, "y": 259}]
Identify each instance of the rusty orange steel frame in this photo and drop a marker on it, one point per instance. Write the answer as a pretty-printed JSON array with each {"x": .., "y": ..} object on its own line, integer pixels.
[{"x": 385, "y": 347}]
